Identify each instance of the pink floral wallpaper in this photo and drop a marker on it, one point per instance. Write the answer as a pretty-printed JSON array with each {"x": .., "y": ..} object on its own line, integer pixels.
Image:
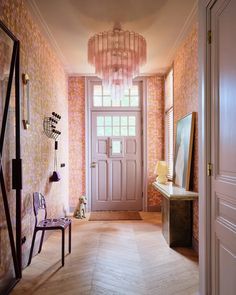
[
  {"x": 186, "y": 100},
  {"x": 155, "y": 135},
  {"x": 48, "y": 93},
  {"x": 50, "y": 90},
  {"x": 76, "y": 109}
]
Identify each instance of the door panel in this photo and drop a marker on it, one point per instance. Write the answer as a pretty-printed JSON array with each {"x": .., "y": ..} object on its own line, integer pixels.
[
  {"x": 116, "y": 161},
  {"x": 131, "y": 176},
  {"x": 102, "y": 180},
  {"x": 223, "y": 150},
  {"x": 227, "y": 266},
  {"x": 130, "y": 147},
  {"x": 102, "y": 147},
  {"x": 116, "y": 180}
]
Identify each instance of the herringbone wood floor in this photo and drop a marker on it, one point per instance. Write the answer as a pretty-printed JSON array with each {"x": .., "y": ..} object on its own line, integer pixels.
[{"x": 124, "y": 257}]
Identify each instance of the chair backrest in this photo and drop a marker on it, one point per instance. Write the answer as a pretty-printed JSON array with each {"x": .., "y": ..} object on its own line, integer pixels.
[{"x": 39, "y": 203}]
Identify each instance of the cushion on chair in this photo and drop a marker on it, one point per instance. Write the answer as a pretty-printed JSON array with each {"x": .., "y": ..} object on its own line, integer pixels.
[{"x": 54, "y": 222}]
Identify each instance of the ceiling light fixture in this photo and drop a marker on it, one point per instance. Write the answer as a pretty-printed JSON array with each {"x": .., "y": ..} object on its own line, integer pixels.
[{"x": 117, "y": 56}]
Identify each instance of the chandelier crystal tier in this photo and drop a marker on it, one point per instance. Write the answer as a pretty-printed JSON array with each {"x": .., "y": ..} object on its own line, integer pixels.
[{"x": 117, "y": 56}]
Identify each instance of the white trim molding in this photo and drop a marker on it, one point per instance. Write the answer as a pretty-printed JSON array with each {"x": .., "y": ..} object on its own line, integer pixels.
[
  {"x": 45, "y": 30},
  {"x": 191, "y": 19},
  {"x": 88, "y": 81},
  {"x": 204, "y": 149}
]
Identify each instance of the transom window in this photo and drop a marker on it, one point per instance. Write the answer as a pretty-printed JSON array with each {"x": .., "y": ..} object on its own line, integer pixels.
[
  {"x": 103, "y": 98},
  {"x": 116, "y": 126}
]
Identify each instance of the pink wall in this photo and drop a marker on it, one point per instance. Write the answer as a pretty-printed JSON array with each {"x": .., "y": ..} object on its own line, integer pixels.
[
  {"x": 186, "y": 100},
  {"x": 155, "y": 134},
  {"x": 48, "y": 92},
  {"x": 76, "y": 109}
]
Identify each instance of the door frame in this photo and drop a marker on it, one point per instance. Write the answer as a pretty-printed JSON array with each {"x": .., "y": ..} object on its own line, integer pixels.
[
  {"x": 204, "y": 154},
  {"x": 15, "y": 244},
  {"x": 88, "y": 82}
]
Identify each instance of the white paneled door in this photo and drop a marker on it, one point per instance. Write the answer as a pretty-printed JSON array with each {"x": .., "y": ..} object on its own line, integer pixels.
[
  {"x": 116, "y": 160},
  {"x": 223, "y": 147}
]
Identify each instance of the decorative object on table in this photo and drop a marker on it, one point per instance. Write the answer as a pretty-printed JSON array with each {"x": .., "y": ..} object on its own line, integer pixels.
[
  {"x": 183, "y": 150},
  {"x": 39, "y": 204},
  {"x": 161, "y": 170},
  {"x": 49, "y": 126},
  {"x": 80, "y": 209},
  {"x": 117, "y": 56},
  {"x": 26, "y": 92}
]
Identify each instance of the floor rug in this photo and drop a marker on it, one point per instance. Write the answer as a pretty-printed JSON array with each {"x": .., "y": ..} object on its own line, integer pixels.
[{"x": 114, "y": 215}]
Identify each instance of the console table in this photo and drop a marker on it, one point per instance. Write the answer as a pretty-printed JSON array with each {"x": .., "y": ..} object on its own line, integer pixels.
[{"x": 177, "y": 214}]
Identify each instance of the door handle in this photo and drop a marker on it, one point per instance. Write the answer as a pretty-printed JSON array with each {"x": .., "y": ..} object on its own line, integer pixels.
[{"x": 93, "y": 165}]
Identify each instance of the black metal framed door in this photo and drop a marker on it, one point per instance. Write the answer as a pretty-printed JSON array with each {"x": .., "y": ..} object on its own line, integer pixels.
[{"x": 10, "y": 161}]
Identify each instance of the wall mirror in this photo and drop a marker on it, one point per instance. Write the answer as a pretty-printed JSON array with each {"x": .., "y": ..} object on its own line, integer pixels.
[{"x": 10, "y": 163}]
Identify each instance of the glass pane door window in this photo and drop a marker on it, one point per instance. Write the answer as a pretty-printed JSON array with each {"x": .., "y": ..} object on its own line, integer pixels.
[
  {"x": 102, "y": 98},
  {"x": 116, "y": 147},
  {"x": 116, "y": 125}
]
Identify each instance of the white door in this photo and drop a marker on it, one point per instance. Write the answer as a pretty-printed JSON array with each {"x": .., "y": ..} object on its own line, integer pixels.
[
  {"x": 116, "y": 160},
  {"x": 223, "y": 147}
]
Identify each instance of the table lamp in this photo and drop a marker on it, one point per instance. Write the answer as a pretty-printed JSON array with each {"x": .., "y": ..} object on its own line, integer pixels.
[{"x": 161, "y": 170}]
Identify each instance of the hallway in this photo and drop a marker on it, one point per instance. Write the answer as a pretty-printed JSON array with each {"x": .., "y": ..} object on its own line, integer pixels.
[{"x": 125, "y": 257}]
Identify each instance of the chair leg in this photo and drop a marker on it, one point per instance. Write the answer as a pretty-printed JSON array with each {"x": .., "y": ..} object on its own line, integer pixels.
[
  {"x": 41, "y": 241},
  {"x": 63, "y": 247},
  {"x": 32, "y": 247},
  {"x": 70, "y": 238}
]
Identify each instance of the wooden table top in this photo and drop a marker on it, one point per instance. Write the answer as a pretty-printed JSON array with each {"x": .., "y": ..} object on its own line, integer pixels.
[{"x": 173, "y": 192}]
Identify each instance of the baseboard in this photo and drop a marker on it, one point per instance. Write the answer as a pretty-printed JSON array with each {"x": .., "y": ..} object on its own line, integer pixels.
[
  {"x": 156, "y": 208},
  {"x": 195, "y": 244}
]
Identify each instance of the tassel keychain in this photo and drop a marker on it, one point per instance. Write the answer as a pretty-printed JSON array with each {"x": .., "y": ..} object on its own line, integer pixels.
[{"x": 55, "y": 175}]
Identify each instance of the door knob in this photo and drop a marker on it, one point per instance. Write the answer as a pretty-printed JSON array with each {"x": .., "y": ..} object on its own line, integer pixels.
[{"x": 93, "y": 165}]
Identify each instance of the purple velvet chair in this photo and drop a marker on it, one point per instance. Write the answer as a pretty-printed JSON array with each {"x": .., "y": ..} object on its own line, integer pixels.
[{"x": 48, "y": 224}]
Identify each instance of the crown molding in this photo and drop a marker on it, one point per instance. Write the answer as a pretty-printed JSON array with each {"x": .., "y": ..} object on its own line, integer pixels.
[
  {"x": 45, "y": 30},
  {"x": 37, "y": 16},
  {"x": 191, "y": 19}
]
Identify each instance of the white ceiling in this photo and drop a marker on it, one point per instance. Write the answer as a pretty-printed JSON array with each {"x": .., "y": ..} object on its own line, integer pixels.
[{"x": 68, "y": 24}]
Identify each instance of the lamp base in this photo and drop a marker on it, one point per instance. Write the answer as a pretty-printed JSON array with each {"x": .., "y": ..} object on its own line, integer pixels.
[{"x": 162, "y": 179}]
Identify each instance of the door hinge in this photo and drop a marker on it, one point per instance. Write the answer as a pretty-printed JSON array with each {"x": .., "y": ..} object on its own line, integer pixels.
[
  {"x": 142, "y": 194},
  {"x": 209, "y": 169},
  {"x": 209, "y": 37}
]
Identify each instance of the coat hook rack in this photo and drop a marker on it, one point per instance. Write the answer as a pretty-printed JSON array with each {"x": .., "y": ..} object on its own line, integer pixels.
[
  {"x": 49, "y": 126},
  {"x": 50, "y": 129}
]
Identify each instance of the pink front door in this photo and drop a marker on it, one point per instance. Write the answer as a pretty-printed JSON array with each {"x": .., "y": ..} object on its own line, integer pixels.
[{"x": 116, "y": 172}]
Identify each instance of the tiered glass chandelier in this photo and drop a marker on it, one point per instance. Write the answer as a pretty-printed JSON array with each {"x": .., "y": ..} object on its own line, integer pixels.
[{"x": 117, "y": 56}]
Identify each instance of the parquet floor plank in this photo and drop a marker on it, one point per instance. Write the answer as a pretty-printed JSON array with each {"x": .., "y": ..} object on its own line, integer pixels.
[{"x": 112, "y": 258}]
